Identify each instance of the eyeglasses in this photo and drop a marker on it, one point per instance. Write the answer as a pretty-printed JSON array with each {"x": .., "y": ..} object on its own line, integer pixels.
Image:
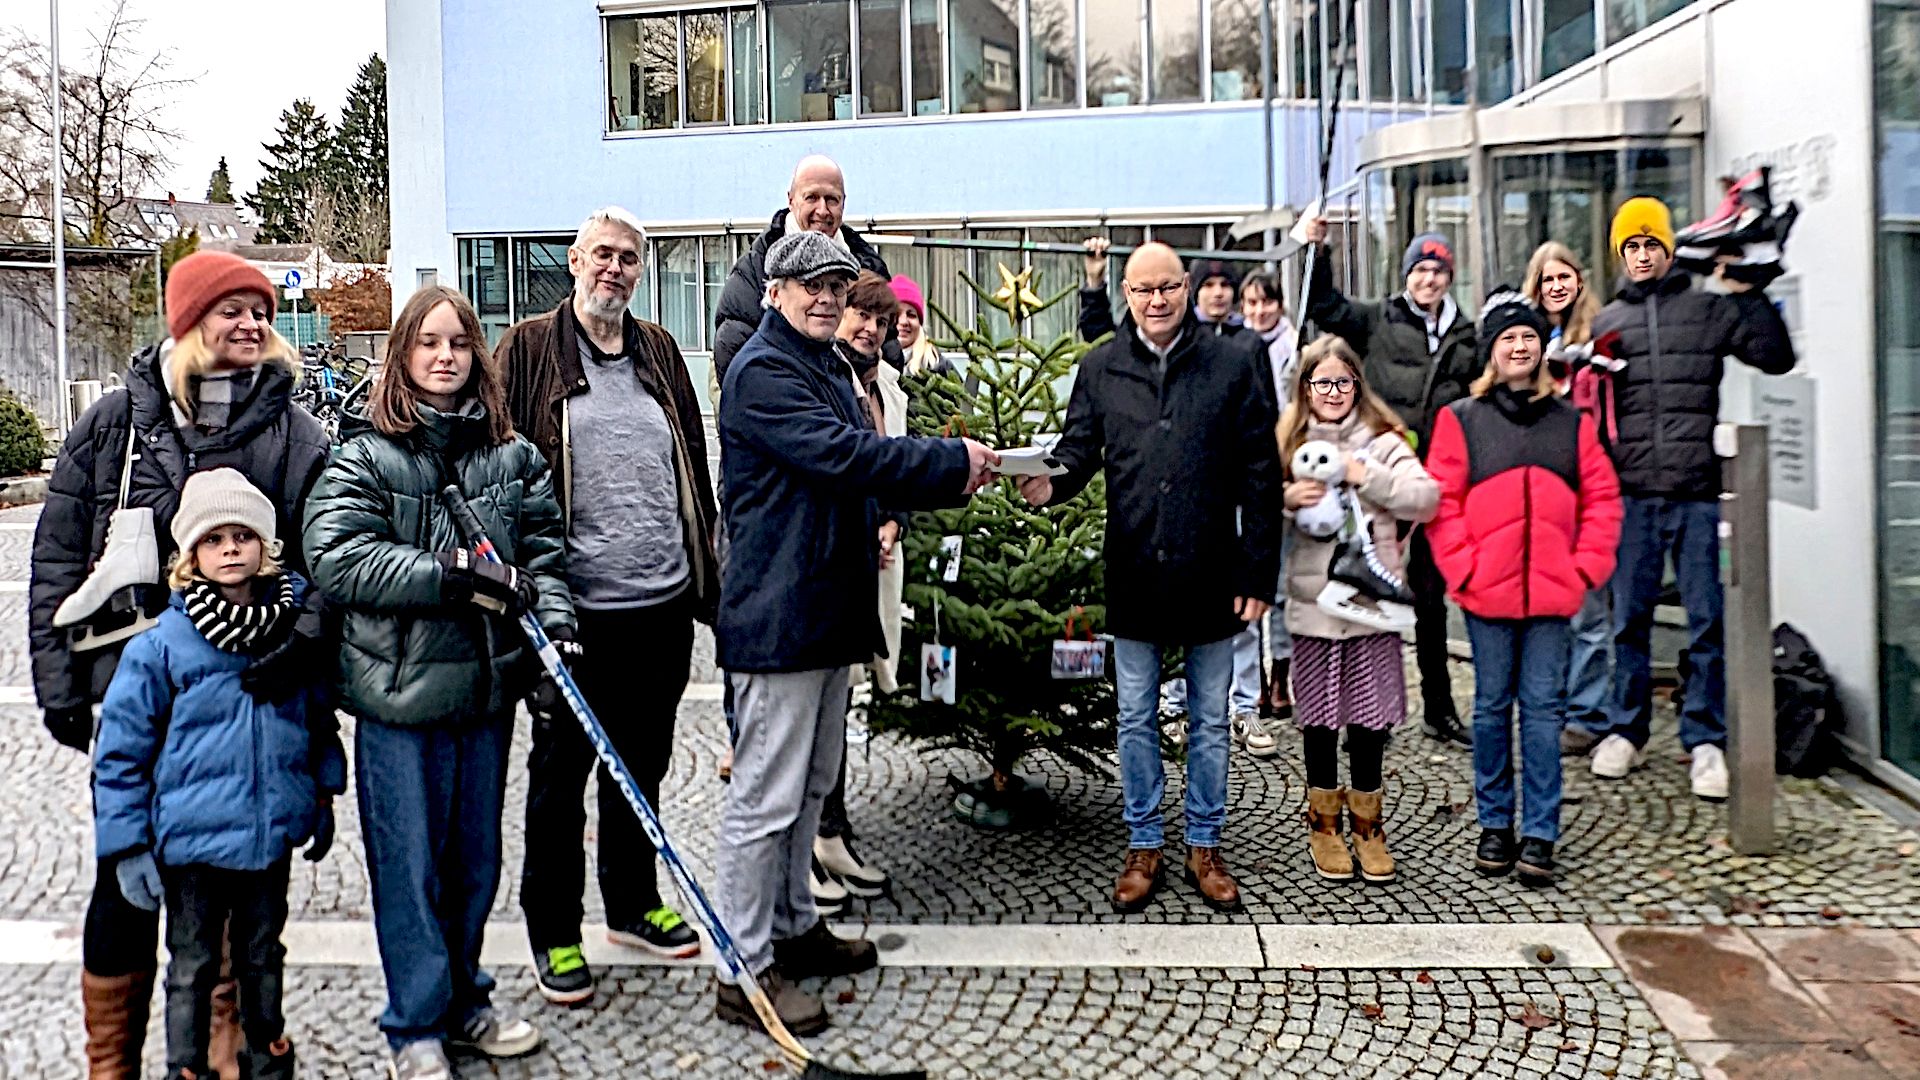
[
  {"x": 838, "y": 286},
  {"x": 1147, "y": 292},
  {"x": 1323, "y": 387},
  {"x": 605, "y": 256}
]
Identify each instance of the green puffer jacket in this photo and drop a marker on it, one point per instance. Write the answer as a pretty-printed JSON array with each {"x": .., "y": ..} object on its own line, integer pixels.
[{"x": 373, "y": 522}]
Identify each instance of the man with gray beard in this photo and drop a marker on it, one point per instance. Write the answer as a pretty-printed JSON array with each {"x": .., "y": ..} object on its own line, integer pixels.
[{"x": 608, "y": 399}]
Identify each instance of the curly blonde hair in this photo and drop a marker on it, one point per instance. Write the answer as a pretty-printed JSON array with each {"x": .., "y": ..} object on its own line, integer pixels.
[{"x": 186, "y": 566}]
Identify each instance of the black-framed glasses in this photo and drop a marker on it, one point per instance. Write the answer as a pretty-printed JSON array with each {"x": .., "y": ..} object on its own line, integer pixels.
[
  {"x": 1147, "y": 292},
  {"x": 1342, "y": 385},
  {"x": 838, "y": 286}
]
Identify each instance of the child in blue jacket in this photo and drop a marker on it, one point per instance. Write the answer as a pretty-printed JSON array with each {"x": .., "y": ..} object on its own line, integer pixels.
[{"x": 201, "y": 790}]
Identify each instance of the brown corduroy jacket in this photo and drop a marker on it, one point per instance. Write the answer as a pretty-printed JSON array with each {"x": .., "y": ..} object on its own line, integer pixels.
[{"x": 540, "y": 358}]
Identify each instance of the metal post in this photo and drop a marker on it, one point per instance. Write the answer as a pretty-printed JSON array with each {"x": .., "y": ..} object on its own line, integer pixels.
[
  {"x": 59, "y": 219},
  {"x": 1266, "y": 116},
  {"x": 1748, "y": 624}
]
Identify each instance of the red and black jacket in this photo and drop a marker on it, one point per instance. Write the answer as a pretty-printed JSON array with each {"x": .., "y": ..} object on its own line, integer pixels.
[{"x": 1529, "y": 516}]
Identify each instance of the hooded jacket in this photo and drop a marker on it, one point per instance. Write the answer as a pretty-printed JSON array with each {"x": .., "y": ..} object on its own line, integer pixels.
[
  {"x": 737, "y": 317},
  {"x": 277, "y": 445},
  {"x": 373, "y": 524},
  {"x": 1529, "y": 518},
  {"x": 195, "y": 769}
]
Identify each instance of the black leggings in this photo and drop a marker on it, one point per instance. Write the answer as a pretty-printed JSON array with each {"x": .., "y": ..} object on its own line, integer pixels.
[
  {"x": 119, "y": 939},
  {"x": 1365, "y": 748}
]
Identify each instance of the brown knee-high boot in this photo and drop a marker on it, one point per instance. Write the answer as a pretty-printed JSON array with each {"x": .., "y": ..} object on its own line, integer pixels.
[
  {"x": 1324, "y": 842},
  {"x": 223, "y": 1032},
  {"x": 1369, "y": 839},
  {"x": 116, "y": 1017}
]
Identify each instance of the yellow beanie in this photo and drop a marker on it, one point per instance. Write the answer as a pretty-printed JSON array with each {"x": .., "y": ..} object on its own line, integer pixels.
[{"x": 1643, "y": 217}]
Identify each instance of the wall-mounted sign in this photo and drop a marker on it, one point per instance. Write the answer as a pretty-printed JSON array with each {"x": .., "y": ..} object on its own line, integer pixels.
[{"x": 1785, "y": 404}]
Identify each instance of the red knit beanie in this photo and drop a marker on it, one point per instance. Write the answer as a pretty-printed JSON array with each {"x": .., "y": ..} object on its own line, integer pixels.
[{"x": 200, "y": 280}]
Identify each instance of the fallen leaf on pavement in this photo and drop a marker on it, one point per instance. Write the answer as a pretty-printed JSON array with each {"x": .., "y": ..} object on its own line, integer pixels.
[
  {"x": 1424, "y": 979},
  {"x": 1372, "y": 1011},
  {"x": 1533, "y": 1019},
  {"x": 845, "y": 998},
  {"x": 1831, "y": 912},
  {"x": 1653, "y": 913}
]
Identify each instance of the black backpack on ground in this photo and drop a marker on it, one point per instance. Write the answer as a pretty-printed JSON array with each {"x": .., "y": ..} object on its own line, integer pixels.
[{"x": 1807, "y": 717}]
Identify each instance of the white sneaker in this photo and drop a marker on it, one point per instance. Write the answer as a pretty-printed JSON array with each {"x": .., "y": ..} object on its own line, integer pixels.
[
  {"x": 497, "y": 1033},
  {"x": 1174, "y": 728},
  {"x": 1615, "y": 757},
  {"x": 1253, "y": 736},
  {"x": 1709, "y": 772},
  {"x": 829, "y": 895}
]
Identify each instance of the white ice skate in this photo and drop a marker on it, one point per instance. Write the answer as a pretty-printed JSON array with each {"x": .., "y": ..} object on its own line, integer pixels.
[
  {"x": 1361, "y": 589},
  {"x": 117, "y": 601},
  {"x": 1343, "y": 601}
]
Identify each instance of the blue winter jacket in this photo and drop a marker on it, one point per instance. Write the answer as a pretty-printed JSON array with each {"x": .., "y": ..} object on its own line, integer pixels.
[{"x": 191, "y": 766}]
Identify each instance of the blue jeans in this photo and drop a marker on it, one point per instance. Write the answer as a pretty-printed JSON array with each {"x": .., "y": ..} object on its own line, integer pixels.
[
  {"x": 1142, "y": 778},
  {"x": 1590, "y": 671},
  {"x": 1689, "y": 530},
  {"x": 430, "y": 801},
  {"x": 1523, "y": 659}
]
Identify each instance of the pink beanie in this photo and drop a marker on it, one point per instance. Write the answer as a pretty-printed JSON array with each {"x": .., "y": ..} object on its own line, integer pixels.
[{"x": 908, "y": 293}]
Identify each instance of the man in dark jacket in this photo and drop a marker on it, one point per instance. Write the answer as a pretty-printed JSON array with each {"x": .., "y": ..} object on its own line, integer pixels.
[
  {"x": 1176, "y": 417},
  {"x": 1673, "y": 341},
  {"x": 608, "y": 399},
  {"x": 804, "y": 475},
  {"x": 816, "y": 202},
  {"x": 1421, "y": 354}
]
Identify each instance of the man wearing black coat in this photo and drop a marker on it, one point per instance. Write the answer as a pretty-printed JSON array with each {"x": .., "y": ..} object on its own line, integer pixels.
[{"x": 1177, "y": 418}]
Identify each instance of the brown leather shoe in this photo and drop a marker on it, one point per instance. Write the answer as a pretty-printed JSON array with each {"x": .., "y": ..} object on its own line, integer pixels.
[
  {"x": 1369, "y": 839},
  {"x": 801, "y": 1012},
  {"x": 1324, "y": 842},
  {"x": 1207, "y": 872},
  {"x": 116, "y": 1018},
  {"x": 1140, "y": 878}
]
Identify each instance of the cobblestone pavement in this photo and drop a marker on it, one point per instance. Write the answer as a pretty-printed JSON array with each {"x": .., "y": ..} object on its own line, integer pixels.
[{"x": 966, "y": 1023}]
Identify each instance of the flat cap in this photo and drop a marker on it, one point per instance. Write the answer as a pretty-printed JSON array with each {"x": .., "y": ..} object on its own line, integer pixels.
[{"x": 805, "y": 256}]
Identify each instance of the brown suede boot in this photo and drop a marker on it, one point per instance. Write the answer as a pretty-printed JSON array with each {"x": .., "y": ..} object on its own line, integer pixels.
[
  {"x": 223, "y": 1031},
  {"x": 1369, "y": 839},
  {"x": 1207, "y": 872},
  {"x": 116, "y": 1017},
  {"x": 1324, "y": 843}
]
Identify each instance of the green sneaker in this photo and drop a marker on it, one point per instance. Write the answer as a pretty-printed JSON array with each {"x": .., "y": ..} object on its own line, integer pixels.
[
  {"x": 662, "y": 932},
  {"x": 563, "y": 975}
]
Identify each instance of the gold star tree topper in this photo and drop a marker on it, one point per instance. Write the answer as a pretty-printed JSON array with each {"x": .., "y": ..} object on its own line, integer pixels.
[{"x": 1015, "y": 294}]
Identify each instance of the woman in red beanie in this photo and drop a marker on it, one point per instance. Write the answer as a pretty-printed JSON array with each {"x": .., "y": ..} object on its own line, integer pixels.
[{"x": 217, "y": 393}]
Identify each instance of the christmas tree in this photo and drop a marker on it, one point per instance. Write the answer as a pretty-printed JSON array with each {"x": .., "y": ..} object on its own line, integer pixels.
[{"x": 1025, "y": 576}]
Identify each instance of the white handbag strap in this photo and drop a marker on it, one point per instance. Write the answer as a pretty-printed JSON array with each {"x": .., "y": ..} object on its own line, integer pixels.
[{"x": 126, "y": 466}]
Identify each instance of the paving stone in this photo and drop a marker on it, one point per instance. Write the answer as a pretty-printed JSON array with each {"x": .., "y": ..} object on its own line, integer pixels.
[
  {"x": 1714, "y": 984},
  {"x": 1842, "y": 953},
  {"x": 1883, "y": 1016}
]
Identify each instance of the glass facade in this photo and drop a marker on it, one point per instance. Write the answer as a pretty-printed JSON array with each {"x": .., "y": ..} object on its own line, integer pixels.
[
  {"x": 1570, "y": 195},
  {"x": 1896, "y": 38}
]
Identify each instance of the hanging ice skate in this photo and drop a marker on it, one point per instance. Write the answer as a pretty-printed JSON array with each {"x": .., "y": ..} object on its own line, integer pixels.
[
  {"x": 1746, "y": 232},
  {"x": 1360, "y": 588},
  {"x": 122, "y": 596}
]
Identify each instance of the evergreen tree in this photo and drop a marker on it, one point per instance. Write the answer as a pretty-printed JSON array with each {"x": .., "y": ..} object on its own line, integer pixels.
[
  {"x": 220, "y": 185},
  {"x": 1025, "y": 574},
  {"x": 360, "y": 150},
  {"x": 291, "y": 201}
]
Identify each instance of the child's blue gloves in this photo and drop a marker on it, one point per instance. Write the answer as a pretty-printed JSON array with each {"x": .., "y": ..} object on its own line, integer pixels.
[{"x": 140, "y": 881}]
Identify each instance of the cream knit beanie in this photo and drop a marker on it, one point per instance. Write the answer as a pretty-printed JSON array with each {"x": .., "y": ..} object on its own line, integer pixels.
[{"x": 221, "y": 497}]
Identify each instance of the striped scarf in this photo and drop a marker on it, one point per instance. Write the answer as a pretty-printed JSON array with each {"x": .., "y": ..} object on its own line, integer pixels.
[{"x": 239, "y": 628}]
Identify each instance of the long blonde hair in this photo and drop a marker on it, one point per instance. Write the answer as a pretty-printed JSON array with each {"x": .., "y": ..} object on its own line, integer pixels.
[
  {"x": 1578, "y": 328},
  {"x": 1376, "y": 414},
  {"x": 191, "y": 358}
]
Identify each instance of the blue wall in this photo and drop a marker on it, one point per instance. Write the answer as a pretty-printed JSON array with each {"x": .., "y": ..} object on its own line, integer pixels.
[{"x": 526, "y": 104}]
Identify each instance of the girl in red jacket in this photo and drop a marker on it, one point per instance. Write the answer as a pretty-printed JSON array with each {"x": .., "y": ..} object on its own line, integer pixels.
[{"x": 1528, "y": 522}]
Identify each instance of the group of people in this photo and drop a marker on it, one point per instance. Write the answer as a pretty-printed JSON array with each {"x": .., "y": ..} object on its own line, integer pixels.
[{"x": 303, "y": 578}]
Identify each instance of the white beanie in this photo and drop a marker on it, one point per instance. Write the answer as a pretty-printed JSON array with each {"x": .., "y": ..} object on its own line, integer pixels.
[{"x": 221, "y": 497}]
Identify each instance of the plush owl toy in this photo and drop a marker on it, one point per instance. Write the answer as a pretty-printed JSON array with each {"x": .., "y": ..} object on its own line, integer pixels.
[{"x": 1326, "y": 463}]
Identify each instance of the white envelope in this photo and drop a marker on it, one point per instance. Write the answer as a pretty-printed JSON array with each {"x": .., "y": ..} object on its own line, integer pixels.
[{"x": 1029, "y": 461}]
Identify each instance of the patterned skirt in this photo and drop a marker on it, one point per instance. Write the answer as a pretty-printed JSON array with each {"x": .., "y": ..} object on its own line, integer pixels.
[{"x": 1359, "y": 681}]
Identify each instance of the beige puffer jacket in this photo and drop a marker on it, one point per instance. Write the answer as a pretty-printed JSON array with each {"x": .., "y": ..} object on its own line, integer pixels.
[{"x": 1397, "y": 488}]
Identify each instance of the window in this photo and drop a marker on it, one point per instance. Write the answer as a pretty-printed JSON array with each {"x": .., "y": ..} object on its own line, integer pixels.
[
  {"x": 1113, "y": 53},
  {"x": 643, "y": 73},
  {"x": 1568, "y": 35},
  {"x": 680, "y": 289},
  {"x": 1305, "y": 41},
  {"x": 1626, "y": 18},
  {"x": 748, "y": 74},
  {"x": 1493, "y": 50},
  {"x": 1379, "y": 37},
  {"x": 985, "y": 41},
  {"x": 1176, "y": 49},
  {"x": 706, "y": 67},
  {"x": 880, "y": 89},
  {"x": 1450, "y": 60},
  {"x": 1053, "y": 37},
  {"x": 1235, "y": 48},
  {"x": 811, "y": 50},
  {"x": 483, "y": 280},
  {"x": 540, "y": 275},
  {"x": 717, "y": 255},
  {"x": 929, "y": 83}
]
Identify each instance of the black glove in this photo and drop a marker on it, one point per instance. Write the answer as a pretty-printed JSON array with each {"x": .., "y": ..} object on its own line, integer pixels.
[
  {"x": 297, "y": 662},
  {"x": 71, "y": 727},
  {"x": 546, "y": 696},
  {"x": 467, "y": 577},
  {"x": 322, "y": 833}
]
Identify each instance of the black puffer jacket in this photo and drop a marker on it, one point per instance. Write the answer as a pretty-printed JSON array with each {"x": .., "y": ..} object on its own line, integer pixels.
[
  {"x": 276, "y": 444},
  {"x": 1674, "y": 339},
  {"x": 739, "y": 311},
  {"x": 1391, "y": 338}
]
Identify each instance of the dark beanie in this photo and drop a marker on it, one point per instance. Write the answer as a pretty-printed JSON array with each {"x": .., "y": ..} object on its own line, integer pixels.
[
  {"x": 1427, "y": 247},
  {"x": 1505, "y": 309},
  {"x": 1213, "y": 268}
]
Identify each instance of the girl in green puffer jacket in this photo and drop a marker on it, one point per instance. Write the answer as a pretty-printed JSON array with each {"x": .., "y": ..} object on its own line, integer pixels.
[{"x": 432, "y": 663}]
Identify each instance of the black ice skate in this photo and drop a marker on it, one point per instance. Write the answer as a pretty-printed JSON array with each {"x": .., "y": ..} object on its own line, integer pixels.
[
  {"x": 1362, "y": 590},
  {"x": 1745, "y": 226}
]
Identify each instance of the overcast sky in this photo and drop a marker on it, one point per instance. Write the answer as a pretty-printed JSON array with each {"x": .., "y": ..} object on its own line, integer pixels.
[{"x": 248, "y": 61}]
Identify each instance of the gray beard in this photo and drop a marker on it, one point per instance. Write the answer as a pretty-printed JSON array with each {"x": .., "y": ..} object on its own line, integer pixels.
[{"x": 599, "y": 308}]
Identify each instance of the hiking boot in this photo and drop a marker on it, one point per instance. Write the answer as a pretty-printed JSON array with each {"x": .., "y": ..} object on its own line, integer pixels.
[
  {"x": 562, "y": 975},
  {"x": 1207, "y": 872},
  {"x": 857, "y": 877},
  {"x": 276, "y": 1062},
  {"x": 1578, "y": 740},
  {"x": 423, "y": 1059},
  {"x": 1709, "y": 772},
  {"x": 496, "y": 1033},
  {"x": 801, "y": 1012},
  {"x": 1535, "y": 867},
  {"x": 1369, "y": 839},
  {"x": 661, "y": 932},
  {"x": 116, "y": 1018},
  {"x": 1140, "y": 878},
  {"x": 1445, "y": 726},
  {"x": 1494, "y": 856},
  {"x": 1253, "y": 737},
  {"x": 1324, "y": 842},
  {"x": 820, "y": 953},
  {"x": 829, "y": 894},
  {"x": 1615, "y": 757}
]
